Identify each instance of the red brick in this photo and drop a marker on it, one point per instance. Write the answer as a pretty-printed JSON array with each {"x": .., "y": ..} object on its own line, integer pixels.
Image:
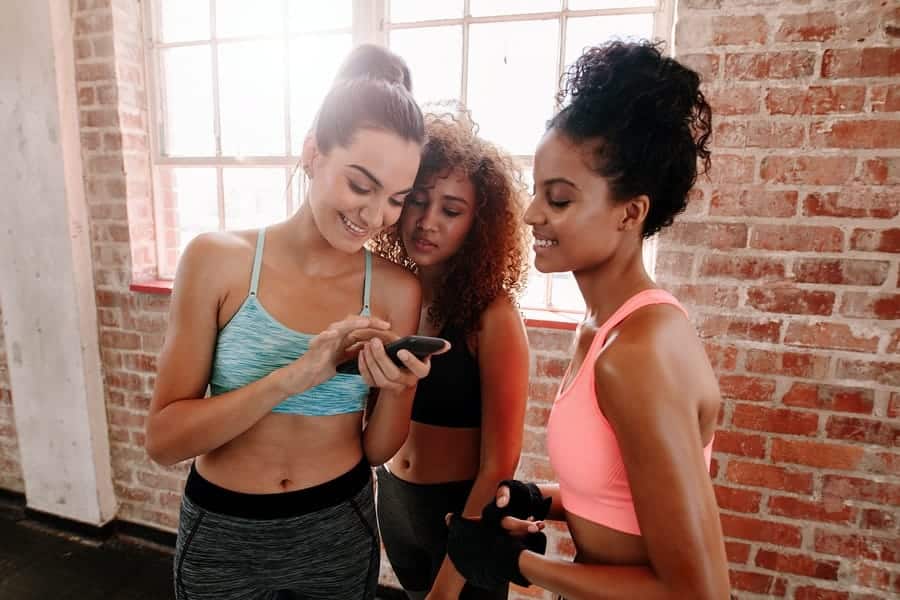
[
  {"x": 758, "y": 583},
  {"x": 769, "y": 65},
  {"x": 862, "y": 430},
  {"x": 739, "y": 328},
  {"x": 674, "y": 264},
  {"x": 738, "y": 500},
  {"x": 876, "y": 240},
  {"x": 841, "y": 271},
  {"x": 857, "y": 546},
  {"x": 722, "y": 358},
  {"x": 795, "y": 238},
  {"x": 856, "y": 488},
  {"x": 532, "y": 468},
  {"x": 878, "y": 519},
  {"x": 756, "y": 202},
  {"x": 758, "y": 134},
  {"x": 894, "y": 342},
  {"x": 815, "y": 100},
  {"x": 719, "y": 236},
  {"x": 701, "y": 294},
  {"x": 807, "y": 27},
  {"x": 835, "y": 336},
  {"x": 769, "y": 476},
  {"x": 90, "y": 141},
  {"x": 881, "y": 171},
  {"x": 804, "y": 510},
  {"x": 542, "y": 391},
  {"x": 807, "y": 170},
  {"x": 757, "y": 530},
  {"x": 886, "y": 373},
  {"x": 707, "y": 65},
  {"x": 737, "y": 552},
  {"x": 729, "y": 168},
  {"x": 830, "y": 398},
  {"x": 120, "y": 340},
  {"x": 871, "y": 306},
  {"x": 852, "y": 202},
  {"x": 93, "y": 23},
  {"x": 734, "y": 100},
  {"x": 816, "y": 454},
  {"x": 794, "y": 364},
  {"x": 554, "y": 368},
  {"x": 791, "y": 300},
  {"x": 865, "y": 134},
  {"x": 103, "y": 71},
  {"x": 885, "y": 98},
  {"x": 809, "y": 592},
  {"x": 861, "y": 62},
  {"x": 739, "y": 30},
  {"x": 883, "y": 463},
  {"x": 741, "y": 444},
  {"x": 797, "y": 564},
  {"x": 742, "y": 267},
  {"x": 871, "y": 576},
  {"x": 536, "y": 416},
  {"x": 742, "y": 387},
  {"x": 123, "y": 418},
  {"x": 774, "y": 420},
  {"x": 894, "y": 405}
]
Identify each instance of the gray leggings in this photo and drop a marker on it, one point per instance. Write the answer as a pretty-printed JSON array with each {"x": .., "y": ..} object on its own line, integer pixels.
[{"x": 312, "y": 552}]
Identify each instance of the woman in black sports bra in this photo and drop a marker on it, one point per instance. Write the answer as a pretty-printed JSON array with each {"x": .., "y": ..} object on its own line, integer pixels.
[{"x": 461, "y": 232}]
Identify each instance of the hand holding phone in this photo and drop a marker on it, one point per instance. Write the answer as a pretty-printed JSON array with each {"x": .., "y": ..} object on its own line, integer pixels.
[{"x": 419, "y": 346}]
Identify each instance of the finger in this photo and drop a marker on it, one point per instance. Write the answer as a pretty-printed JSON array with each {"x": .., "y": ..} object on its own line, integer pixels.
[
  {"x": 364, "y": 369},
  {"x": 384, "y": 362},
  {"x": 502, "y": 496},
  {"x": 375, "y": 367},
  {"x": 419, "y": 368},
  {"x": 519, "y": 527}
]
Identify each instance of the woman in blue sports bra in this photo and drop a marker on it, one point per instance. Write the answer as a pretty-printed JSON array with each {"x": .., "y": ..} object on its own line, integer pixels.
[
  {"x": 462, "y": 232},
  {"x": 279, "y": 500}
]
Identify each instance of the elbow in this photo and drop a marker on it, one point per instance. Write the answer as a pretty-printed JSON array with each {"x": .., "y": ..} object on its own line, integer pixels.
[
  {"x": 705, "y": 586},
  {"x": 158, "y": 449}
]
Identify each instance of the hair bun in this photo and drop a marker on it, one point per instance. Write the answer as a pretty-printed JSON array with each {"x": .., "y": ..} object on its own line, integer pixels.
[{"x": 369, "y": 61}]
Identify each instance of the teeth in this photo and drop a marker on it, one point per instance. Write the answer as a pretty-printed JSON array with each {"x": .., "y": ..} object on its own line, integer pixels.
[
  {"x": 545, "y": 243},
  {"x": 351, "y": 226}
]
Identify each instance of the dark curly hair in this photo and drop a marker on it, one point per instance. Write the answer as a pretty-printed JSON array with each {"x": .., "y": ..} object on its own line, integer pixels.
[
  {"x": 647, "y": 119},
  {"x": 493, "y": 259}
]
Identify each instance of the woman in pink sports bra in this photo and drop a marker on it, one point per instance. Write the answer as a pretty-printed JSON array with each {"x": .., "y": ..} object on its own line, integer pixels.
[{"x": 631, "y": 430}]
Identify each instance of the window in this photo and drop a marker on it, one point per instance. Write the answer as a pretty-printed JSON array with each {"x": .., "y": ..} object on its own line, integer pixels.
[{"x": 236, "y": 91}]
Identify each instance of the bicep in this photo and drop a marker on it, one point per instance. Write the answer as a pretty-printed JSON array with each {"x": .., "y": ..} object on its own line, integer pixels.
[{"x": 185, "y": 360}]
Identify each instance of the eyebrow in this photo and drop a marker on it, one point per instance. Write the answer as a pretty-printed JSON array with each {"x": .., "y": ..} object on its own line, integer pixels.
[
  {"x": 374, "y": 179},
  {"x": 455, "y": 199},
  {"x": 560, "y": 180}
]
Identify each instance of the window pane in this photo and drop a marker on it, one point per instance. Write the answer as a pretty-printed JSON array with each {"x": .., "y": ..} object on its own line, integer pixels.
[
  {"x": 512, "y": 81},
  {"x": 189, "y": 205},
  {"x": 187, "y": 103},
  {"x": 482, "y": 8},
  {"x": 565, "y": 294},
  {"x": 254, "y": 197},
  {"x": 434, "y": 55},
  {"x": 590, "y": 31},
  {"x": 237, "y": 18},
  {"x": 183, "y": 20},
  {"x": 251, "y": 79},
  {"x": 589, "y": 4},
  {"x": 423, "y": 10},
  {"x": 535, "y": 293},
  {"x": 311, "y": 79},
  {"x": 306, "y": 15}
]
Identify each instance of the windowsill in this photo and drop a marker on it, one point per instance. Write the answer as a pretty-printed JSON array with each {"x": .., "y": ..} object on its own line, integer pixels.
[{"x": 533, "y": 318}]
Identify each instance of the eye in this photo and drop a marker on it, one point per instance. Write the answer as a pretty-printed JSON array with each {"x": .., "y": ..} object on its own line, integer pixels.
[
  {"x": 415, "y": 198},
  {"x": 394, "y": 201},
  {"x": 558, "y": 202},
  {"x": 357, "y": 189},
  {"x": 452, "y": 213}
]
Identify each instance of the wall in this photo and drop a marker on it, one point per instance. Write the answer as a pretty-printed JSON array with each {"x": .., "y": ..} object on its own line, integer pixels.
[{"x": 10, "y": 464}]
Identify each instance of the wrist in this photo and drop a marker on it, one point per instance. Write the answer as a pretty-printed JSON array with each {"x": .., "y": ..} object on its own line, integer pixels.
[{"x": 290, "y": 380}]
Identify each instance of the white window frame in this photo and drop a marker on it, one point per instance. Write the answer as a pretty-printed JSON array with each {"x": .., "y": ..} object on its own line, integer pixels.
[{"x": 370, "y": 23}]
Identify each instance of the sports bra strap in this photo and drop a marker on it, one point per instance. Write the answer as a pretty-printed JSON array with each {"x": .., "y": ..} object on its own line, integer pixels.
[
  {"x": 257, "y": 261},
  {"x": 367, "y": 284}
]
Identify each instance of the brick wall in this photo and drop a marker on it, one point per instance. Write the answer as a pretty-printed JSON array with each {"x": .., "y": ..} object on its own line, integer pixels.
[
  {"x": 10, "y": 466},
  {"x": 789, "y": 260}
]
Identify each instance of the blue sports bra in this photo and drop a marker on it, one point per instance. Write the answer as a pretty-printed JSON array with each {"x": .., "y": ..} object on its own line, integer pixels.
[{"x": 253, "y": 344}]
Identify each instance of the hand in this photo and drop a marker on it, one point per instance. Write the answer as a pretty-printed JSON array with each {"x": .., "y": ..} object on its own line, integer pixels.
[
  {"x": 515, "y": 527},
  {"x": 318, "y": 363},
  {"x": 516, "y": 503},
  {"x": 378, "y": 370}
]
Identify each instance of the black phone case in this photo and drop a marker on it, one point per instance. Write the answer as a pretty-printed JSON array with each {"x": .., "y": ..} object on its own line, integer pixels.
[{"x": 420, "y": 346}]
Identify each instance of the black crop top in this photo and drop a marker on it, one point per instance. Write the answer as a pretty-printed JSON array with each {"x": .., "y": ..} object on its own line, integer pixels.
[{"x": 451, "y": 394}]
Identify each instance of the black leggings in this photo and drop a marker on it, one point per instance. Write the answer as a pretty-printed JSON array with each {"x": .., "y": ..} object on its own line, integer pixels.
[
  {"x": 411, "y": 519},
  {"x": 317, "y": 543}
]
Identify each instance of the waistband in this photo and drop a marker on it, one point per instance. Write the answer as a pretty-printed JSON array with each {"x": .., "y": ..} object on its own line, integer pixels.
[
  {"x": 211, "y": 497},
  {"x": 436, "y": 489}
]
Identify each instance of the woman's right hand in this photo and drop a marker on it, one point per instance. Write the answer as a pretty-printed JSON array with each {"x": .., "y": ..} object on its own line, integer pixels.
[{"x": 326, "y": 351}]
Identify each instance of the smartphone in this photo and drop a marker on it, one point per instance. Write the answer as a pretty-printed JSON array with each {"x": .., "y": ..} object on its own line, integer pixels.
[{"x": 419, "y": 345}]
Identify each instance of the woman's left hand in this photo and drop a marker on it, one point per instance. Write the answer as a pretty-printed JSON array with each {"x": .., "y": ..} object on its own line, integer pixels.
[{"x": 378, "y": 370}]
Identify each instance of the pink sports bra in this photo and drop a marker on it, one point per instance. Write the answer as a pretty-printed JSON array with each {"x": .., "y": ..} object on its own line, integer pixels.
[{"x": 582, "y": 445}]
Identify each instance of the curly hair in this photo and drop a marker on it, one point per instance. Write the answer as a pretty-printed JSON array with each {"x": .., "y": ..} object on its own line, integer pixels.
[
  {"x": 493, "y": 259},
  {"x": 647, "y": 119}
]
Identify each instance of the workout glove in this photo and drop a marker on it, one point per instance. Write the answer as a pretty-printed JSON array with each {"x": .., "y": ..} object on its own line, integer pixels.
[{"x": 525, "y": 500}]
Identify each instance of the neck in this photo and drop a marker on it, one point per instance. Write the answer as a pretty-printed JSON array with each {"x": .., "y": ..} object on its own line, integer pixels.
[
  {"x": 607, "y": 286},
  {"x": 301, "y": 238},
  {"x": 430, "y": 277}
]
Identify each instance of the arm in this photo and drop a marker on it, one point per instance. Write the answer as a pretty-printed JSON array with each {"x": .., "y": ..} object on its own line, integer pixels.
[
  {"x": 387, "y": 424},
  {"x": 655, "y": 420},
  {"x": 503, "y": 366}
]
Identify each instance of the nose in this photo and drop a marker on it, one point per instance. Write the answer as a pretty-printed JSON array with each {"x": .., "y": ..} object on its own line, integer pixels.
[
  {"x": 428, "y": 220},
  {"x": 372, "y": 213},
  {"x": 533, "y": 214}
]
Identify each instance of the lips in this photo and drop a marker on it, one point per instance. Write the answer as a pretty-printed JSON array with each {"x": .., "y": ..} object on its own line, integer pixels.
[
  {"x": 542, "y": 242},
  {"x": 423, "y": 244},
  {"x": 352, "y": 227}
]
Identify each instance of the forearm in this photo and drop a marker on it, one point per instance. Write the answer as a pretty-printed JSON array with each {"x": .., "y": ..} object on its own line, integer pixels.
[
  {"x": 190, "y": 427},
  {"x": 388, "y": 425},
  {"x": 576, "y": 581}
]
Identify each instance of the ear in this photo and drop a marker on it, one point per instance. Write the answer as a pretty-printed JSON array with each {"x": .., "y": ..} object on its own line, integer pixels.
[
  {"x": 309, "y": 155},
  {"x": 634, "y": 213}
]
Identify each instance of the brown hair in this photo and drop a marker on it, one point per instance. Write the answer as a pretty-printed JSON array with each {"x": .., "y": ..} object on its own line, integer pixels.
[{"x": 492, "y": 260}]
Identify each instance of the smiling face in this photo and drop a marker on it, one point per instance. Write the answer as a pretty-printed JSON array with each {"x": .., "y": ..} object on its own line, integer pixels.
[
  {"x": 357, "y": 190},
  {"x": 437, "y": 218},
  {"x": 577, "y": 223}
]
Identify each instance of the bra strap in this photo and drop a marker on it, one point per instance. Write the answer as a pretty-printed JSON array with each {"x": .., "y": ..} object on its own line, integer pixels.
[
  {"x": 367, "y": 284},
  {"x": 257, "y": 261}
]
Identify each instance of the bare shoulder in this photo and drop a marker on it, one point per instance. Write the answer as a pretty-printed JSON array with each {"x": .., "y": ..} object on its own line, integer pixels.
[
  {"x": 216, "y": 260},
  {"x": 501, "y": 317},
  {"x": 396, "y": 294}
]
